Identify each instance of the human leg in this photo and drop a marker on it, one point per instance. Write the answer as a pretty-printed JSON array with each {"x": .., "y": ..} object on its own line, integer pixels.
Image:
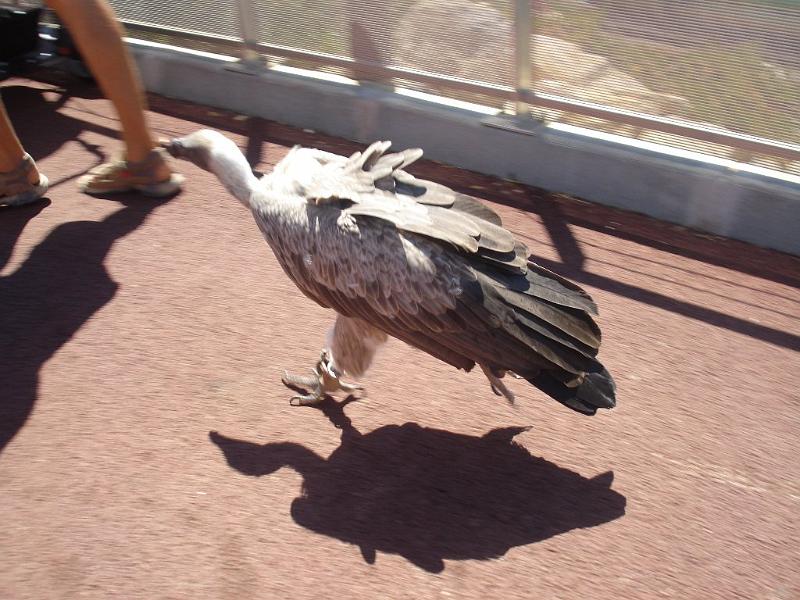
[{"x": 98, "y": 35}]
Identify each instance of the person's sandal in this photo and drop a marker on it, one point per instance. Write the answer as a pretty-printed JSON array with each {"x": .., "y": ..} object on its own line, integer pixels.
[
  {"x": 151, "y": 176},
  {"x": 15, "y": 187}
]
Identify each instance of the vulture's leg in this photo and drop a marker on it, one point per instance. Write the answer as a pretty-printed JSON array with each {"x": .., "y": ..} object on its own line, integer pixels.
[
  {"x": 352, "y": 344},
  {"x": 496, "y": 381}
]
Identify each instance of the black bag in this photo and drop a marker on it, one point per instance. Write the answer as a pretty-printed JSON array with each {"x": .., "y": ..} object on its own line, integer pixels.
[{"x": 19, "y": 31}]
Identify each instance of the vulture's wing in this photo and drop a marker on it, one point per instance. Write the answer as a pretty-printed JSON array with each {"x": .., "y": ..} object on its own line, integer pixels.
[{"x": 448, "y": 302}]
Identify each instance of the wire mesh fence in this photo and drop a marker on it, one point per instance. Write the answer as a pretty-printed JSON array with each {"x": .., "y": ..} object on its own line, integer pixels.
[
  {"x": 733, "y": 64},
  {"x": 730, "y": 65}
]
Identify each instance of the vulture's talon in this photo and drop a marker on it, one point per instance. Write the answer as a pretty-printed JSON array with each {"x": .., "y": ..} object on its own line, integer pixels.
[{"x": 308, "y": 400}]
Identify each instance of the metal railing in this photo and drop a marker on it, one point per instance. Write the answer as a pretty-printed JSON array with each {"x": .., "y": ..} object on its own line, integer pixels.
[{"x": 522, "y": 95}]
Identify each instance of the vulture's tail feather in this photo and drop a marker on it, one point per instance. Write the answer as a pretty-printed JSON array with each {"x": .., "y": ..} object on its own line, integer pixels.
[{"x": 597, "y": 390}]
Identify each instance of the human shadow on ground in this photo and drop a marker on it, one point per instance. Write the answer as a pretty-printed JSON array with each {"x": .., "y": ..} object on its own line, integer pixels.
[
  {"x": 14, "y": 220},
  {"x": 430, "y": 495},
  {"x": 63, "y": 282},
  {"x": 51, "y": 296}
]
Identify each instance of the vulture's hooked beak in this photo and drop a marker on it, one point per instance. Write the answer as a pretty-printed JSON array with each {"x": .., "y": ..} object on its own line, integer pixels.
[
  {"x": 173, "y": 146},
  {"x": 194, "y": 148}
]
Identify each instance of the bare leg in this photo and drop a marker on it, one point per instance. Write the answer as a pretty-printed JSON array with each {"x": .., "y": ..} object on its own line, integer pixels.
[
  {"x": 20, "y": 180},
  {"x": 98, "y": 35},
  {"x": 11, "y": 151}
]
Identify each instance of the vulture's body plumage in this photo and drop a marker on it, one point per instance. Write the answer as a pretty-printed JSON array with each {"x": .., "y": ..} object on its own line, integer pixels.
[{"x": 397, "y": 256}]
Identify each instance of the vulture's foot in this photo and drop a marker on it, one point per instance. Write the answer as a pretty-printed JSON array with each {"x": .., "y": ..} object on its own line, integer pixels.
[
  {"x": 306, "y": 399},
  {"x": 312, "y": 384},
  {"x": 324, "y": 380}
]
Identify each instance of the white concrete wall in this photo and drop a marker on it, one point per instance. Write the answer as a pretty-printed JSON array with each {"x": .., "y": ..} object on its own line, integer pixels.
[{"x": 713, "y": 195}]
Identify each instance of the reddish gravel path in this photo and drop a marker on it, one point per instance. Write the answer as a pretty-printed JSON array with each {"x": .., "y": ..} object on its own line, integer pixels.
[{"x": 132, "y": 329}]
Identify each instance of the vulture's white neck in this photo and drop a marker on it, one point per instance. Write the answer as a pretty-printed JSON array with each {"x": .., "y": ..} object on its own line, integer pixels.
[{"x": 231, "y": 168}]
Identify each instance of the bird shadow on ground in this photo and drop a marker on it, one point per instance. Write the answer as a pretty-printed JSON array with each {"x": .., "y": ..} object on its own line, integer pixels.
[{"x": 430, "y": 495}]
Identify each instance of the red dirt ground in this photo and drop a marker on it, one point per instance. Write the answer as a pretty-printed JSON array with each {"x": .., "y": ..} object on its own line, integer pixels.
[{"x": 133, "y": 329}]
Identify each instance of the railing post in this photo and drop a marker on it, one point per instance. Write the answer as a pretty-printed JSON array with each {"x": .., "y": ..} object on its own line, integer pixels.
[
  {"x": 248, "y": 29},
  {"x": 523, "y": 29}
]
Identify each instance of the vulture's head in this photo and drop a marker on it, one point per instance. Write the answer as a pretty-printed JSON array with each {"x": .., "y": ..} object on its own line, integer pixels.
[{"x": 199, "y": 147}]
